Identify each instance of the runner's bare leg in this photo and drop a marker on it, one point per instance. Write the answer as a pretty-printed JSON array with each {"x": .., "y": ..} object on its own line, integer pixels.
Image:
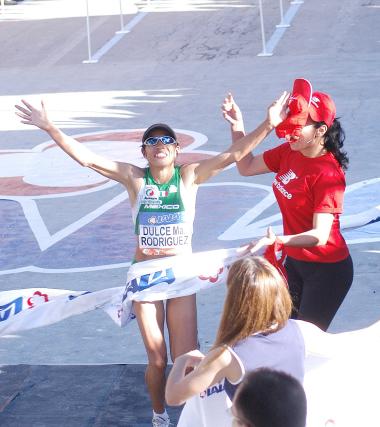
[
  {"x": 151, "y": 318},
  {"x": 181, "y": 318}
]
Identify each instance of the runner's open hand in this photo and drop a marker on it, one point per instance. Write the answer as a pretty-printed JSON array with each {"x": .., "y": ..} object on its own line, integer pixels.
[
  {"x": 192, "y": 358},
  {"x": 231, "y": 111},
  {"x": 277, "y": 110},
  {"x": 33, "y": 116}
]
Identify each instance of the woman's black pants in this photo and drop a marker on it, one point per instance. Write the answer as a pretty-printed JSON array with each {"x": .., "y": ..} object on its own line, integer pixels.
[{"x": 318, "y": 288}]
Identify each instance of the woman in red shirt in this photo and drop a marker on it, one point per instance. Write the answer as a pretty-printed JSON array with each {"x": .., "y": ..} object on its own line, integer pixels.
[{"x": 309, "y": 186}]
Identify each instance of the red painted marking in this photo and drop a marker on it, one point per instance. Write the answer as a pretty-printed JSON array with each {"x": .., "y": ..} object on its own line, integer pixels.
[{"x": 16, "y": 186}]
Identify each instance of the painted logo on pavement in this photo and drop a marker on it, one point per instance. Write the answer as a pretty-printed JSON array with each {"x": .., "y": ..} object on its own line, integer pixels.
[{"x": 57, "y": 216}]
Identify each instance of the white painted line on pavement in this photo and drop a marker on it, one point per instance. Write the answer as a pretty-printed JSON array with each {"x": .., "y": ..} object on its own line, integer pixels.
[
  {"x": 34, "y": 269},
  {"x": 118, "y": 36},
  {"x": 280, "y": 31},
  {"x": 53, "y": 58}
]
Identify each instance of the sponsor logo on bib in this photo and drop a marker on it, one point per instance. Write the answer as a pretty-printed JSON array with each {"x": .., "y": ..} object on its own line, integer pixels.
[
  {"x": 169, "y": 218},
  {"x": 152, "y": 192},
  {"x": 157, "y": 204}
]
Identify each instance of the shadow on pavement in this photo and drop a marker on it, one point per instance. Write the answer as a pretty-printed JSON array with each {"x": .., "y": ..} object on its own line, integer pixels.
[{"x": 75, "y": 396}]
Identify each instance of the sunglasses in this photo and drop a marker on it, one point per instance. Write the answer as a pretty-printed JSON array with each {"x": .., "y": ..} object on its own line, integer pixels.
[{"x": 153, "y": 140}]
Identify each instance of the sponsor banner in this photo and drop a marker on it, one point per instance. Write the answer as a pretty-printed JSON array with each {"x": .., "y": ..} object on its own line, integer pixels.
[{"x": 152, "y": 280}]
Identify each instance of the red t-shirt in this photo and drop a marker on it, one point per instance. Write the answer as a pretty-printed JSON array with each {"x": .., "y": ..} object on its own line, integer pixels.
[{"x": 304, "y": 186}]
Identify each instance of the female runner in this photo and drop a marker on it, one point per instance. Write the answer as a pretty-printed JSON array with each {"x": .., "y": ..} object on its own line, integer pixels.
[{"x": 157, "y": 189}]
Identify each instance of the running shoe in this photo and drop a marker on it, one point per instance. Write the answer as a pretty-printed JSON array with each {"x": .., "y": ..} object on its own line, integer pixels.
[{"x": 161, "y": 421}]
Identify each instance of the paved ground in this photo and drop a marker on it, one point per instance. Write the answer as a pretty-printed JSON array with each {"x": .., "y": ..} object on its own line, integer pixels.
[
  {"x": 75, "y": 396},
  {"x": 175, "y": 65}
]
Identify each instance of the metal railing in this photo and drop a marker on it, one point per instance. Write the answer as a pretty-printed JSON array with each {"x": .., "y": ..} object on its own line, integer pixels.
[
  {"x": 280, "y": 28},
  {"x": 267, "y": 48},
  {"x": 123, "y": 30}
]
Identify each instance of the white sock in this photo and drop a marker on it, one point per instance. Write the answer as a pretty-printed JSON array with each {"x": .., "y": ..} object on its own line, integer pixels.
[{"x": 163, "y": 415}]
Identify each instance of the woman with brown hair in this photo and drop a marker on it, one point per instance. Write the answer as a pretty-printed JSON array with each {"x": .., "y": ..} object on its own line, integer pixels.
[{"x": 254, "y": 331}]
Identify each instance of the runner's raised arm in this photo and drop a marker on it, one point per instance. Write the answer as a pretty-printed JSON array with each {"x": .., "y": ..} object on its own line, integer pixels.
[
  {"x": 239, "y": 149},
  {"x": 117, "y": 171}
]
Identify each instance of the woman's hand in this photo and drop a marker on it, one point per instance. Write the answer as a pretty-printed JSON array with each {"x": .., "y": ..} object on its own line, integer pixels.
[
  {"x": 191, "y": 374},
  {"x": 256, "y": 245},
  {"x": 34, "y": 116},
  {"x": 277, "y": 110},
  {"x": 192, "y": 358},
  {"x": 231, "y": 111}
]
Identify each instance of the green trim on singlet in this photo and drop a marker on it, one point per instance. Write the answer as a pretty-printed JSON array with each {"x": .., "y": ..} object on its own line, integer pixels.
[{"x": 165, "y": 195}]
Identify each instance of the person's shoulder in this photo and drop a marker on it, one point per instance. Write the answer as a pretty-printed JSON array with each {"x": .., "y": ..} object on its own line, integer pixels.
[
  {"x": 135, "y": 171},
  {"x": 187, "y": 174},
  {"x": 331, "y": 164},
  {"x": 276, "y": 154},
  {"x": 330, "y": 170},
  {"x": 325, "y": 169},
  {"x": 131, "y": 175},
  {"x": 218, "y": 358},
  {"x": 282, "y": 148},
  {"x": 306, "y": 328},
  {"x": 222, "y": 354}
]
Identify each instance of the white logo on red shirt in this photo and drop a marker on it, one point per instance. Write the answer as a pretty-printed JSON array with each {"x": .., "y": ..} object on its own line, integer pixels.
[
  {"x": 285, "y": 179},
  {"x": 288, "y": 176}
]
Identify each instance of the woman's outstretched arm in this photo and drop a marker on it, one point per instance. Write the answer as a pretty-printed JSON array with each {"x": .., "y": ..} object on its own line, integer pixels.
[
  {"x": 251, "y": 164},
  {"x": 205, "y": 169},
  {"x": 38, "y": 117}
]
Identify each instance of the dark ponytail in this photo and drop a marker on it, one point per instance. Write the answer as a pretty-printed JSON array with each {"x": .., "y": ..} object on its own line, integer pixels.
[{"x": 333, "y": 142}]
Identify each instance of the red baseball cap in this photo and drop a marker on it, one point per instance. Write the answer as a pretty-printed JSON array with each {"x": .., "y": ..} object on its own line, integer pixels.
[
  {"x": 302, "y": 87},
  {"x": 322, "y": 108},
  {"x": 298, "y": 111}
]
